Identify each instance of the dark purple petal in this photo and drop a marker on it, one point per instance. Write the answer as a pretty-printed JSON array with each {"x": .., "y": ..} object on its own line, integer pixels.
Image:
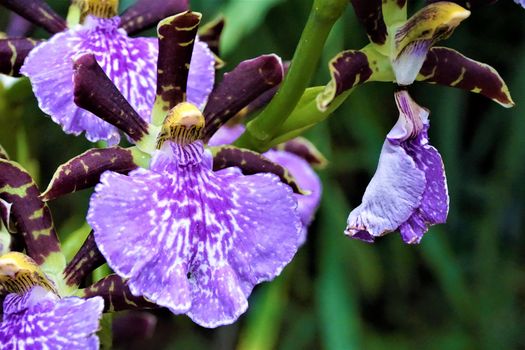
[
  {"x": 84, "y": 170},
  {"x": 30, "y": 215},
  {"x": 413, "y": 39},
  {"x": 129, "y": 63},
  {"x": 370, "y": 14},
  {"x": 249, "y": 80},
  {"x": 250, "y": 162},
  {"x": 304, "y": 149},
  {"x": 144, "y": 14},
  {"x": 197, "y": 240},
  {"x": 445, "y": 66},
  {"x": 469, "y": 4},
  {"x": 85, "y": 261},
  {"x": 18, "y": 26},
  {"x": 40, "y": 320},
  {"x": 408, "y": 191},
  {"x": 95, "y": 92},
  {"x": 13, "y": 52},
  {"x": 176, "y": 41},
  {"x": 116, "y": 294},
  {"x": 211, "y": 34},
  {"x": 37, "y": 12}
]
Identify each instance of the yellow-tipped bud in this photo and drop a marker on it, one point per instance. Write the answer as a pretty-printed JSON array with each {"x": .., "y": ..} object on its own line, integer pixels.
[
  {"x": 19, "y": 273},
  {"x": 98, "y": 8},
  {"x": 183, "y": 125}
]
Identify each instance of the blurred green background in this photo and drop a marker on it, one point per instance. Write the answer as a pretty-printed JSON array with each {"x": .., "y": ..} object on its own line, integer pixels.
[{"x": 463, "y": 287}]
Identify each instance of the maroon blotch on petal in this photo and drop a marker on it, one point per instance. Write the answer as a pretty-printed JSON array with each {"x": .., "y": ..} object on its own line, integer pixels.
[
  {"x": 13, "y": 52},
  {"x": 95, "y": 92},
  {"x": 448, "y": 67},
  {"x": 30, "y": 215},
  {"x": 146, "y": 13},
  {"x": 116, "y": 294},
  {"x": 370, "y": 14},
  {"x": 84, "y": 170},
  {"x": 211, "y": 34},
  {"x": 87, "y": 259},
  {"x": 37, "y": 12},
  {"x": 176, "y": 40},
  {"x": 250, "y": 163},
  {"x": 249, "y": 80}
]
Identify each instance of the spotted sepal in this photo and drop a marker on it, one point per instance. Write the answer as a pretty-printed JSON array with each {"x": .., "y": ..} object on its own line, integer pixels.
[
  {"x": 87, "y": 259},
  {"x": 370, "y": 14},
  {"x": 116, "y": 294},
  {"x": 19, "y": 273},
  {"x": 176, "y": 40},
  {"x": 304, "y": 149},
  {"x": 84, "y": 170},
  {"x": 30, "y": 215},
  {"x": 468, "y": 4},
  {"x": 13, "y": 52},
  {"x": 211, "y": 33},
  {"x": 250, "y": 162},
  {"x": 37, "y": 12},
  {"x": 445, "y": 66},
  {"x": 249, "y": 80},
  {"x": 145, "y": 14},
  {"x": 351, "y": 68},
  {"x": 95, "y": 92}
]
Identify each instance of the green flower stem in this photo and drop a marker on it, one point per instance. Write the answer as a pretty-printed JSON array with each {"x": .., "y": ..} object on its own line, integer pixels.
[{"x": 262, "y": 129}]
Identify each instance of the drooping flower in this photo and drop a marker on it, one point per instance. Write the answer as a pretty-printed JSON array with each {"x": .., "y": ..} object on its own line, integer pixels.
[
  {"x": 129, "y": 62},
  {"x": 185, "y": 233},
  {"x": 298, "y": 166},
  {"x": 408, "y": 192},
  {"x": 36, "y": 317}
]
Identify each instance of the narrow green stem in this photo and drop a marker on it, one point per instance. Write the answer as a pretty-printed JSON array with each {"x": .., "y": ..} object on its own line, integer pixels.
[{"x": 260, "y": 131}]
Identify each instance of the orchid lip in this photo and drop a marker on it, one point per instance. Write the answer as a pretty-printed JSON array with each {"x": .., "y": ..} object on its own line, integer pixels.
[{"x": 183, "y": 125}]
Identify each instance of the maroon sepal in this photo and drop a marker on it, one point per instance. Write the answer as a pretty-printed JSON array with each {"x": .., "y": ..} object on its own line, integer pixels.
[
  {"x": 145, "y": 14},
  {"x": 370, "y": 14},
  {"x": 176, "y": 40},
  {"x": 116, "y": 294},
  {"x": 87, "y": 259},
  {"x": 95, "y": 92},
  {"x": 303, "y": 148},
  {"x": 37, "y": 12},
  {"x": 84, "y": 170},
  {"x": 249, "y": 80},
  {"x": 468, "y": 4},
  {"x": 31, "y": 217},
  {"x": 445, "y": 66},
  {"x": 13, "y": 52},
  {"x": 211, "y": 34},
  {"x": 132, "y": 326},
  {"x": 250, "y": 162}
]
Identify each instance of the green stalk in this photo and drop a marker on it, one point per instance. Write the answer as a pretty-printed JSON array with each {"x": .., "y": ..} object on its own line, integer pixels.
[{"x": 260, "y": 131}]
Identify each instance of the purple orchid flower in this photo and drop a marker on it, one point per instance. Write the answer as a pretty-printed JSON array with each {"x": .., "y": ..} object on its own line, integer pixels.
[
  {"x": 408, "y": 191},
  {"x": 189, "y": 231},
  {"x": 129, "y": 62},
  {"x": 39, "y": 319}
]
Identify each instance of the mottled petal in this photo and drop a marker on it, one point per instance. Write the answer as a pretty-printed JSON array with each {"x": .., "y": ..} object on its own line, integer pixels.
[
  {"x": 197, "y": 240},
  {"x": 39, "y": 320},
  {"x": 144, "y": 14},
  {"x": 37, "y": 12},
  {"x": 370, "y": 14},
  {"x": 130, "y": 63},
  {"x": 307, "y": 180},
  {"x": 85, "y": 261},
  {"x": 408, "y": 191},
  {"x": 445, "y": 66},
  {"x": 413, "y": 39},
  {"x": 13, "y": 52}
]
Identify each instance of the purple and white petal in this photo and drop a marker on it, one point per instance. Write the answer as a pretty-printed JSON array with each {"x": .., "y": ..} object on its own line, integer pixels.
[
  {"x": 226, "y": 134},
  {"x": 408, "y": 191},
  {"x": 520, "y": 2},
  {"x": 307, "y": 180},
  {"x": 201, "y": 77},
  {"x": 40, "y": 320},
  {"x": 197, "y": 240},
  {"x": 130, "y": 63}
]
